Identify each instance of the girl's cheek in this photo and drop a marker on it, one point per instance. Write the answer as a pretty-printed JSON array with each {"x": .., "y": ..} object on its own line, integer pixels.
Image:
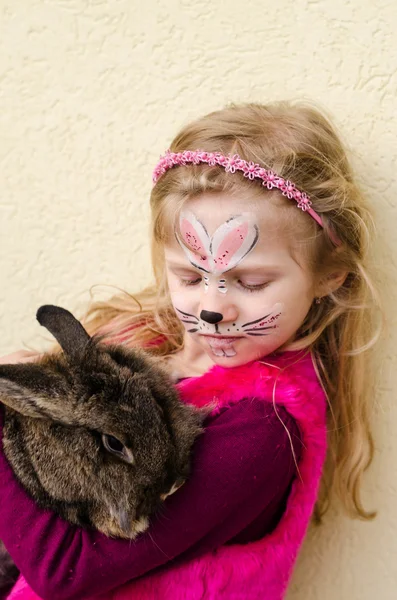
[{"x": 183, "y": 301}]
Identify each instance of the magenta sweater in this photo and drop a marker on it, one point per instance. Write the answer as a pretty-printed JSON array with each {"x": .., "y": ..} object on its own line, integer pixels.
[{"x": 242, "y": 471}]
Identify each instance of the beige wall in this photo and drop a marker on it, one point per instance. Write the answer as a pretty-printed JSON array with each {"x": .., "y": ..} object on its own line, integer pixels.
[{"x": 91, "y": 92}]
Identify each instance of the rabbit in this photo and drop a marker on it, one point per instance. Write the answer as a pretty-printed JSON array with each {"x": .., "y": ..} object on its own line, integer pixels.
[{"x": 97, "y": 432}]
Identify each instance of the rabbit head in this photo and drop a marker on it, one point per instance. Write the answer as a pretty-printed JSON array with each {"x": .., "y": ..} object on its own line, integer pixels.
[{"x": 96, "y": 433}]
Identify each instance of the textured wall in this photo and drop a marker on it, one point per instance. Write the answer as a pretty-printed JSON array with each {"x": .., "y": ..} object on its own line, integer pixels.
[{"x": 91, "y": 92}]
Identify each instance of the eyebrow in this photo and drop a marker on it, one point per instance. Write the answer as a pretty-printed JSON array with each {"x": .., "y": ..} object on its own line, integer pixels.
[
  {"x": 181, "y": 266},
  {"x": 236, "y": 269},
  {"x": 256, "y": 268}
]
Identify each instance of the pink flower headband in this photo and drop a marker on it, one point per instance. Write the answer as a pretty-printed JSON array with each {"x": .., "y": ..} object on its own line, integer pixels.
[{"x": 251, "y": 170}]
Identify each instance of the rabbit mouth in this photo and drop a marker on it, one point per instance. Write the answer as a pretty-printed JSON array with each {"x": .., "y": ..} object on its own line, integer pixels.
[
  {"x": 140, "y": 525},
  {"x": 126, "y": 528},
  {"x": 122, "y": 524}
]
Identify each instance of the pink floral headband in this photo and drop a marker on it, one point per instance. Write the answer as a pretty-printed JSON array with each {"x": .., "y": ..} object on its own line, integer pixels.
[{"x": 251, "y": 170}]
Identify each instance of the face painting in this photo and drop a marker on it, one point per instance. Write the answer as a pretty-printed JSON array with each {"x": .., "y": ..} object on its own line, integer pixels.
[
  {"x": 221, "y": 344},
  {"x": 216, "y": 255},
  {"x": 233, "y": 282}
]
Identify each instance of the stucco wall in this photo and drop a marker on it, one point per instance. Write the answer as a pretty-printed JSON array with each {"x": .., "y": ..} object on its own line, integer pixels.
[{"x": 91, "y": 92}]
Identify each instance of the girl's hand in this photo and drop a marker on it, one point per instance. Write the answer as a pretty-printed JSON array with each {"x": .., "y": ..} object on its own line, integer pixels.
[{"x": 22, "y": 356}]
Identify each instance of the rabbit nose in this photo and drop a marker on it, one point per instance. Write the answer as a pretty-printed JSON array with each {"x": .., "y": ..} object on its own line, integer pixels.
[{"x": 211, "y": 317}]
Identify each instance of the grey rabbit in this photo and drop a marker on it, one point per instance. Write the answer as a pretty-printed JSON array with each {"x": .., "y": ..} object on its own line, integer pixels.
[{"x": 97, "y": 432}]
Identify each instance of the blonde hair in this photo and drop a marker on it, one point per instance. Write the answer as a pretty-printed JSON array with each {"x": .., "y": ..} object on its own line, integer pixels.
[{"x": 299, "y": 144}]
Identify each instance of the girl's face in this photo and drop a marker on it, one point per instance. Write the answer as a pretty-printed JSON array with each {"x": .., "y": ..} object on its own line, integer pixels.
[{"x": 234, "y": 283}]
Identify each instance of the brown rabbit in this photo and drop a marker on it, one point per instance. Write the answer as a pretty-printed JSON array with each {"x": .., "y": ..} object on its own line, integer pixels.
[{"x": 96, "y": 433}]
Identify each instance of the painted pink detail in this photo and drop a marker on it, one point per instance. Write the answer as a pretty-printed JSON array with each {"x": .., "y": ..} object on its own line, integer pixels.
[
  {"x": 268, "y": 321},
  {"x": 258, "y": 570},
  {"x": 231, "y": 243},
  {"x": 193, "y": 238}
]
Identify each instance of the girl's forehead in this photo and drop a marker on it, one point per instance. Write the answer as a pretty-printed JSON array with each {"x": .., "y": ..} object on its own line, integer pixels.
[
  {"x": 215, "y": 209},
  {"x": 208, "y": 220}
]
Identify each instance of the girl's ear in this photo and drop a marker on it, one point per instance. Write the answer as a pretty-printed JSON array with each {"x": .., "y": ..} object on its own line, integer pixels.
[
  {"x": 330, "y": 283},
  {"x": 33, "y": 392}
]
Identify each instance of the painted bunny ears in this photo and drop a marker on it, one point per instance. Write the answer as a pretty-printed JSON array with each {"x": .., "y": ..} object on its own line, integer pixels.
[
  {"x": 250, "y": 170},
  {"x": 224, "y": 250}
]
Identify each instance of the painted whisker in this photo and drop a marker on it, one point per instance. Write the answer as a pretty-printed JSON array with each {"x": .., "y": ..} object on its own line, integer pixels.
[
  {"x": 261, "y": 328},
  {"x": 186, "y": 314},
  {"x": 258, "y": 334},
  {"x": 256, "y": 320}
]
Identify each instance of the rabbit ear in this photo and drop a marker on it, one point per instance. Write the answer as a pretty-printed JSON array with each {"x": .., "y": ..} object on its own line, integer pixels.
[
  {"x": 232, "y": 241},
  {"x": 65, "y": 328},
  {"x": 29, "y": 389},
  {"x": 195, "y": 241}
]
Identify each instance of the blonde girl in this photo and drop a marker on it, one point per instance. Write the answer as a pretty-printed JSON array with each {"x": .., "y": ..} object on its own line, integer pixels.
[{"x": 262, "y": 303}]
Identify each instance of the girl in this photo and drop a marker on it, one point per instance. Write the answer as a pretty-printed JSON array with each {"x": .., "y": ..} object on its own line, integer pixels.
[{"x": 262, "y": 303}]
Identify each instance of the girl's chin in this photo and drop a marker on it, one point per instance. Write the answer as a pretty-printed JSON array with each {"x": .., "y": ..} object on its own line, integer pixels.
[
  {"x": 235, "y": 353},
  {"x": 231, "y": 360},
  {"x": 235, "y": 357}
]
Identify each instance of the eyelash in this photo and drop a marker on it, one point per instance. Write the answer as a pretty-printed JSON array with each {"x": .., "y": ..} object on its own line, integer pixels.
[{"x": 249, "y": 289}]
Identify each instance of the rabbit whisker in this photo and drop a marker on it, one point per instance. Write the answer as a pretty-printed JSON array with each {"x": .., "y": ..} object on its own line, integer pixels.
[
  {"x": 156, "y": 544},
  {"x": 162, "y": 514}
]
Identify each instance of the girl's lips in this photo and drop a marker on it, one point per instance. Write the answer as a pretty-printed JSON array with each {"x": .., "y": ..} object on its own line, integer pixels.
[{"x": 220, "y": 341}]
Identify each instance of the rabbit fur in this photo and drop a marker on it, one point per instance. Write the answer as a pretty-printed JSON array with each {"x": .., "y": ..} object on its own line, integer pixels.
[{"x": 97, "y": 432}]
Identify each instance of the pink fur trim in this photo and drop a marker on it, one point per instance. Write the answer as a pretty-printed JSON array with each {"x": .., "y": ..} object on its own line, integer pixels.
[{"x": 259, "y": 570}]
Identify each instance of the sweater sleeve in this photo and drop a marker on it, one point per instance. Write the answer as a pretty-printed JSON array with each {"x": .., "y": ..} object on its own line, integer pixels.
[{"x": 242, "y": 466}]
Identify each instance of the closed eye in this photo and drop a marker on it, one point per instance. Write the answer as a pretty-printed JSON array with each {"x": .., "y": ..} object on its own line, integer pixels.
[
  {"x": 190, "y": 282},
  {"x": 254, "y": 287},
  {"x": 245, "y": 286}
]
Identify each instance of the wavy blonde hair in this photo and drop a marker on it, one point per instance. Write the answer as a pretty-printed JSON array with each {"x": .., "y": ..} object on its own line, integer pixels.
[{"x": 299, "y": 143}]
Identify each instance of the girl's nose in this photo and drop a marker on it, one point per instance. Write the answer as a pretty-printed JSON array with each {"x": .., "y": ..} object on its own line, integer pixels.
[
  {"x": 211, "y": 317},
  {"x": 216, "y": 307}
]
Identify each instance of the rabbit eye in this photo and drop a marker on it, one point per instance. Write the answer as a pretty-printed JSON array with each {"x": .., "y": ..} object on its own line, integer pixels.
[{"x": 114, "y": 446}]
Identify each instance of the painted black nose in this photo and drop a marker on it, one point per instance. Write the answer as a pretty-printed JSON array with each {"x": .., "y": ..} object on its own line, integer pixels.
[{"x": 210, "y": 317}]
